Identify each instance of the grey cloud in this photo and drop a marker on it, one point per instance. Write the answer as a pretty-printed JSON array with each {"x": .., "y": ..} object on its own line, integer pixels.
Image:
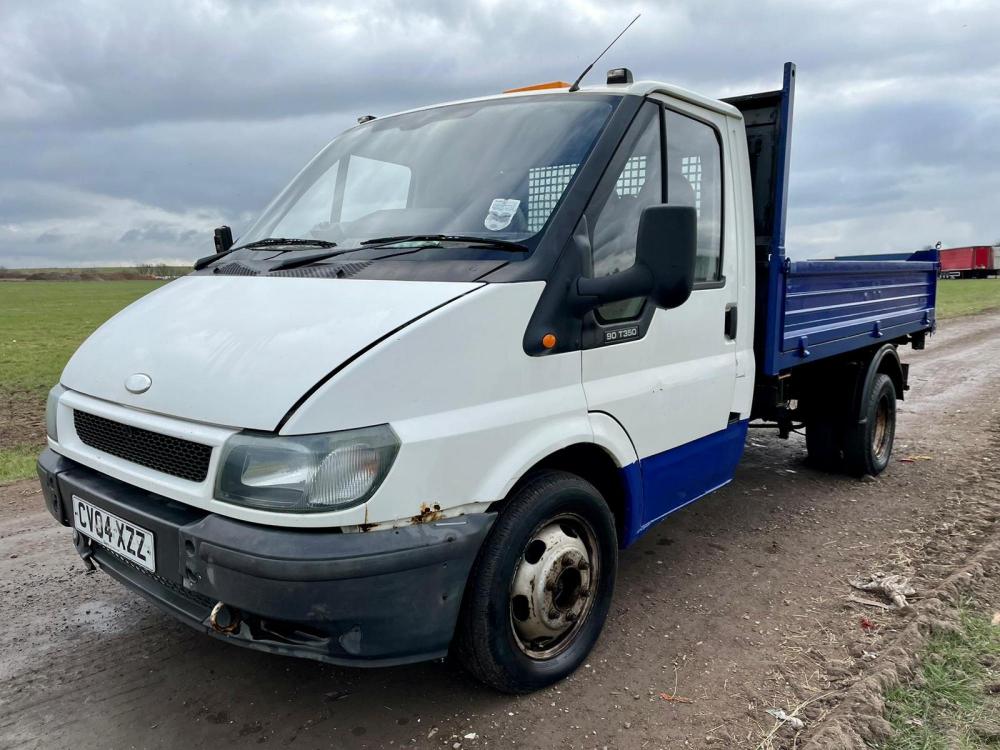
[
  {"x": 50, "y": 236},
  {"x": 109, "y": 64},
  {"x": 176, "y": 165},
  {"x": 129, "y": 128},
  {"x": 152, "y": 233}
]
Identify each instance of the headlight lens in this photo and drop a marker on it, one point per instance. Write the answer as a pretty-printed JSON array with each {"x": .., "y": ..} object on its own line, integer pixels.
[
  {"x": 51, "y": 408},
  {"x": 305, "y": 473}
]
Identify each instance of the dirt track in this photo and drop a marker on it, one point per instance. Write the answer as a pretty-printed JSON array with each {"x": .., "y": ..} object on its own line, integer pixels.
[{"x": 738, "y": 603}]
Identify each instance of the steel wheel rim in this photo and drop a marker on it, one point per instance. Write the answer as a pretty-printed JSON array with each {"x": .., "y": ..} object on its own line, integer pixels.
[
  {"x": 880, "y": 435},
  {"x": 552, "y": 591}
]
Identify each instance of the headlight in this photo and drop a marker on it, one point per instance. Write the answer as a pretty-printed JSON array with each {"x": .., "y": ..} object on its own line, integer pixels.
[
  {"x": 51, "y": 408},
  {"x": 305, "y": 473}
]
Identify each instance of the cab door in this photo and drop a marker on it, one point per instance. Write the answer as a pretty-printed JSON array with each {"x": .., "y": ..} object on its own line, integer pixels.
[{"x": 667, "y": 376}]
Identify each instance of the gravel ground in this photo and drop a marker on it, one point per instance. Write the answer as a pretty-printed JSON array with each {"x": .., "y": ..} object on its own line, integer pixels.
[{"x": 737, "y": 604}]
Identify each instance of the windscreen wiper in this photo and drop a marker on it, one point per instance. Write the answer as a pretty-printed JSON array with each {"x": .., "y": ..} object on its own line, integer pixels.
[
  {"x": 305, "y": 260},
  {"x": 209, "y": 259},
  {"x": 471, "y": 239},
  {"x": 285, "y": 241},
  {"x": 268, "y": 242},
  {"x": 297, "y": 261}
]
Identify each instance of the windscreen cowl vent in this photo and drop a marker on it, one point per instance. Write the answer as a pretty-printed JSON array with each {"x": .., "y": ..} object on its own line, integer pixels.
[
  {"x": 234, "y": 269},
  {"x": 326, "y": 271}
]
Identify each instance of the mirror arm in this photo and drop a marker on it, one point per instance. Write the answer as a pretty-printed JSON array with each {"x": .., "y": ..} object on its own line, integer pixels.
[{"x": 589, "y": 293}]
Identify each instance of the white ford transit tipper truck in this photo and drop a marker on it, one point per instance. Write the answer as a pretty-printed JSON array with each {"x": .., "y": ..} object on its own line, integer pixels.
[{"x": 465, "y": 357}]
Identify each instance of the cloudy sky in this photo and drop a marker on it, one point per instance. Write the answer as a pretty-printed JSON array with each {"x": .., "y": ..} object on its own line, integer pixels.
[{"x": 129, "y": 129}]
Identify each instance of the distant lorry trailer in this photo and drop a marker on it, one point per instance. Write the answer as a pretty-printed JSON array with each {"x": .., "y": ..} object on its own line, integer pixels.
[
  {"x": 973, "y": 262},
  {"x": 469, "y": 353}
]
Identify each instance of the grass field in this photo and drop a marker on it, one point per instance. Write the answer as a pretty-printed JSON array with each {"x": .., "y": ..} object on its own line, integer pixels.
[
  {"x": 43, "y": 322},
  {"x": 95, "y": 273},
  {"x": 967, "y": 296}
]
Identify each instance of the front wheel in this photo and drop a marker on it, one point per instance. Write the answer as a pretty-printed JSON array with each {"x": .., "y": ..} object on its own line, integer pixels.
[{"x": 541, "y": 587}]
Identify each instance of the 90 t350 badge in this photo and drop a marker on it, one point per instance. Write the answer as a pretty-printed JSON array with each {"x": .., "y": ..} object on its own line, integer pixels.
[{"x": 620, "y": 334}]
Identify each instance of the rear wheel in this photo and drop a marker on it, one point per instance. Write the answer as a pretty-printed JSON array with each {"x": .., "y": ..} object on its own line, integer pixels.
[
  {"x": 541, "y": 587},
  {"x": 868, "y": 444}
]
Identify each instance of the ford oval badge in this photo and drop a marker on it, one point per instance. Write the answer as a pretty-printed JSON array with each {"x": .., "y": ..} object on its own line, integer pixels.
[{"x": 138, "y": 383}]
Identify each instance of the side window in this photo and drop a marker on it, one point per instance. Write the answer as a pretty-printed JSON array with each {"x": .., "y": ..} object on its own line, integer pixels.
[
  {"x": 373, "y": 185},
  {"x": 694, "y": 178},
  {"x": 638, "y": 184}
]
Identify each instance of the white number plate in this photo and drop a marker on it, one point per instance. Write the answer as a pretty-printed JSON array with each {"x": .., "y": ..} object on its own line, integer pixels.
[{"x": 118, "y": 535}]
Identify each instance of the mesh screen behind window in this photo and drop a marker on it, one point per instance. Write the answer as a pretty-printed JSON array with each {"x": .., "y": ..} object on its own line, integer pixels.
[
  {"x": 633, "y": 176},
  {"x": 691, "y": 168},
  {"x": 545, "y": 187}
]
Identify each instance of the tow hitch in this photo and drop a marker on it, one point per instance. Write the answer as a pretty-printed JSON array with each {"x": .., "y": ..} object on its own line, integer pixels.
[{"x": 224, "y": 619}]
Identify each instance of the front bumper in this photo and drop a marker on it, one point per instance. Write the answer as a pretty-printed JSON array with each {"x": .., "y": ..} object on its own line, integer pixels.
[{"x": 375, "y": 598}]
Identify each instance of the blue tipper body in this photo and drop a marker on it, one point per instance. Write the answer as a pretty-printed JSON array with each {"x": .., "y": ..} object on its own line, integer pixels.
[
  {"x": 828, "y": 307},
  {"x": 813, "y": 309}
]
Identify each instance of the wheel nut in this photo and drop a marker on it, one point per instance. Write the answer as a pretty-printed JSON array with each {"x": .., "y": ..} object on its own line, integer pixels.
[
  {"x": 583, "y": 565},
  {"x": 571, "y": 616},
  {"x": 553, "y": 615}
]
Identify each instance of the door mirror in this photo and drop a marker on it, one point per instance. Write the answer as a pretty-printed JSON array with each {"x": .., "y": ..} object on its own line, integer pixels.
[
  {"x": 667, "y": 245},
  {"x": 664, "y": 262},
  {"x": 223, "y": 239}
]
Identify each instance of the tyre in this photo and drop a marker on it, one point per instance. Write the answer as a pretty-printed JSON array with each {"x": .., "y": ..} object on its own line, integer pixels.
[
  {"x": 824, "y": 442},
  {"x": 868, "y": 444},
  {"x": 541, "y": 587}
]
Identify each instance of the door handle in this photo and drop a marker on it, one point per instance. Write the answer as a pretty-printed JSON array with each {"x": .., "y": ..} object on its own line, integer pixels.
[{"x": 731, "y": 322}]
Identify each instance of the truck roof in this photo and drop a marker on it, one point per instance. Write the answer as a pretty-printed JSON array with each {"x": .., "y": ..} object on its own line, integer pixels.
[
  {"x": 645, "y": 88},
  {"x": 638, "y": 88}
]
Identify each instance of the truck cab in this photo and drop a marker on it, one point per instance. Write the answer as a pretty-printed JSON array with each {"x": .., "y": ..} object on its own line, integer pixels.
[{"x": 469, "y": 354}]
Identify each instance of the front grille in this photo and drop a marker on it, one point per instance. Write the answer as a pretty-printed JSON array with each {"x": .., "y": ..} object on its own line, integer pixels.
[{"x": 171, "y": 455}]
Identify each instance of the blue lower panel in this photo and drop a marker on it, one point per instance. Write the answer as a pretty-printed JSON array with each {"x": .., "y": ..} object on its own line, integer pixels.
[{"x": 674, "y": 478}]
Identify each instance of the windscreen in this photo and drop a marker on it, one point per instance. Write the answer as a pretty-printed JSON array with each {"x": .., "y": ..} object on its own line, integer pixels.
[{"x": 495, "y": 169}]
